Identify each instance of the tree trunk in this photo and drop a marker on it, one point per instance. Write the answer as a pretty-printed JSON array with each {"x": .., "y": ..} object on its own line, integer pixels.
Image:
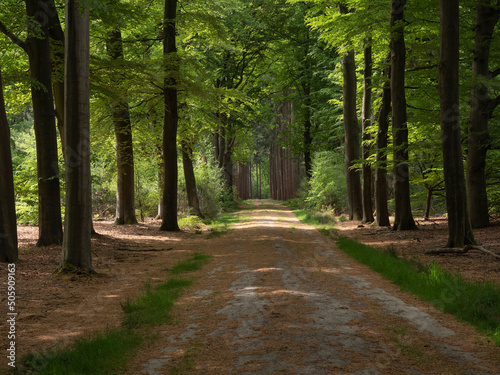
[
  {"x": 428, "y": 201},
  {"x": 381, "y": 185},
  {"x": 351, "y": 129},
  {"x": 161, "y": 184},
  {"x": 125, "y": 187},
  {"x": 307, "y": 131},
  {"x": 403, "y": 216},
  {"x": 367, "y": 172},
  {"x": 76, "y": 249},
  {"x": 8, "y": 227},
  {"x": 169, "y": 222},
  {"x": 459, "y": 228},
  {"x": 57, "y": 46},
  {"x": 49, "y": 197},
  {"x": 487, "y": 17},
  {"x": 192, "y": 193}
]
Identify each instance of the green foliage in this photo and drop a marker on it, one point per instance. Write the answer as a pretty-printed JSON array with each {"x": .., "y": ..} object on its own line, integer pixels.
[
  {"x": 327, "y": 183},
  {"x": 209, "y": 185},
  {"x": 473, "y": 302}
]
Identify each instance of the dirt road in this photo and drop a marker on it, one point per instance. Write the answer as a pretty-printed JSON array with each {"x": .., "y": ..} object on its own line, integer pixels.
[{"x": 279, "y": 298}]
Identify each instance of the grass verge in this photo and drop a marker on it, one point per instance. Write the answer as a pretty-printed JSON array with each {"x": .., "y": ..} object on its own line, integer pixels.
[
  {"x": 108, "y": 352},
  {"x": 475, "y": 303}
]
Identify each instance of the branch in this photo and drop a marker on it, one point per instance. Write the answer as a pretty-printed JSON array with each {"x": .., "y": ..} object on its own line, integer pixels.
[
  {"x": 425, "y": 67},
  {"x": 492, "y": 104},
  {"x": 493, "y": 73},
  {"x": 11, "y": 36}
]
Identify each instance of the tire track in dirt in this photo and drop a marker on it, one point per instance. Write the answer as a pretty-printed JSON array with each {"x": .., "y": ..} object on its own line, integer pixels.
[{"x": 279, "y": 298}]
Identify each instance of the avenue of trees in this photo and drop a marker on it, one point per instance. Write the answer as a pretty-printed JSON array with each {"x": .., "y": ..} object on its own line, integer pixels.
[{"x": 126, "y": 109}]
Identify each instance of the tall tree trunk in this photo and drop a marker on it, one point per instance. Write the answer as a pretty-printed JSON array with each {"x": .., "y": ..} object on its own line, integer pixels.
[
  {"x": 403, "y": 216},
  {"x": 381, "y": 185},
  {"x": 460, "y": 231},
  {"x": 169, "y": 222},
  {"x": 125, "y": 187},
  {"x": 192, "y": 193},
  {"x": 351, "y": 129},
  {"x": 76, "y": 249},
  {"x": 8, "y": 227},
  {"x": 307, "y": 131},
  {"x": 366, "y": 116},
  {"x": 49, "y": 197},
  {"x": 57, "y": 46},
  {"x": 481, "y": 109}
]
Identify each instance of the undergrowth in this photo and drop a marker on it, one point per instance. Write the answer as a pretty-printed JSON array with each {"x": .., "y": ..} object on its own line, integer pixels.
[{"x": 108, "y": 352}]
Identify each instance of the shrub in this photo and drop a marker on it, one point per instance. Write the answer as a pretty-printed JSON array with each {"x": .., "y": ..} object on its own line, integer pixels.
[{"x": 327, "y": 186}]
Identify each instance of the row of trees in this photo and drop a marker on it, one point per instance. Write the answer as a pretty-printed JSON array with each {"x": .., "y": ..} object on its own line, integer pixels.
[
  {"x": 188, "y": 82},
  {"x": 401, "y": 54}
]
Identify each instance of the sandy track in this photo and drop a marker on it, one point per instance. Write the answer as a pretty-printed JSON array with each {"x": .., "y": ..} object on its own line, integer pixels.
[{"x": 279, "y": 298}]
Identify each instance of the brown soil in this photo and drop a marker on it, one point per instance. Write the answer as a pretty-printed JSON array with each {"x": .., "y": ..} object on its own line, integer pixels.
[
  {"x": 433, "y": 233},
  {"x": 287, "y": 265}
]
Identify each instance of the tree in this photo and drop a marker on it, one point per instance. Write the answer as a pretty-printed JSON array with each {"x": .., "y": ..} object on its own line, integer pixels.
[
  {"x": 37, "y": 47},
  {"x": 8, "y": 228},
  {"x": 367, "y": 172},
  {"x": 125, "y": 192},
  {"x": 460, "y": 231},
  {"x": 171, "y": 68},
  {"x": 381, "y": 209},
  {"x": 187, "y": 162},
  {"x": 76, "y": 248},
  {"x": 351, "y": 129},
  {"x": 481, "y": 110},
  {"x": 403, "y": 216}
]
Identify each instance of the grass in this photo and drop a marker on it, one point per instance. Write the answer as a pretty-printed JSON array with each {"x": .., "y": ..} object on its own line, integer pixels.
[
  {"x": 222, "y": 225},
  {"x": 476, "y": 303},
  {"x": 109, "y": 352},
  {"x": 323, "y": 222}
]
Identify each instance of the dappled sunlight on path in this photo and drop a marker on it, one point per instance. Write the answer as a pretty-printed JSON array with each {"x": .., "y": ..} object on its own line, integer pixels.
[{"x": 279, "y": 298}]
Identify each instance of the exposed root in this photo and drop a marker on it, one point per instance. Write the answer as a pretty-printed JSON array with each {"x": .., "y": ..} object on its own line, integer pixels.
[{"x": 460, "y": 250}]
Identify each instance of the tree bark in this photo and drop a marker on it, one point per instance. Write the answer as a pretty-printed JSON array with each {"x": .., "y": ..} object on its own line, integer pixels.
[
  {"x": 351, "y": 129},
  {"x": 125, "y": 187},
  {"x": 403, "y": 216},
  {"x": 481, "y": 109},
  {"x": 169, "y": 222},
  {"x": 8, "y": 227},
  {"x": 381, "y": 185},
  {"x": 459, "y": 228},
  {"x": 57, "y": 46},
  {"x": 307, "y": 131},
  {"x": 76, "y": 249},
  {"x": 192, "y": 193},
  {"x": 367, "y": 172},
  {"x": 49, "y": 197}
]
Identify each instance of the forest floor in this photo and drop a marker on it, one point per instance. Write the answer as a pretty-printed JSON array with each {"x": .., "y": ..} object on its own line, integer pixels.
[{"x": 277, "y": 297}]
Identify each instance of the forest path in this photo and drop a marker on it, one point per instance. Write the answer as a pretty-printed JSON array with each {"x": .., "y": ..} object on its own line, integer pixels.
[{"x": 279, "y": 298}]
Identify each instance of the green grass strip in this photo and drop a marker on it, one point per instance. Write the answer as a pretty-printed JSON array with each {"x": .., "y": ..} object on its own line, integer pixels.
[
  {"x": 192, "y": 264},
  {"x": 475, "y": 303},
  {"x": 105, "y": 354},
  {"x": 108, "y": 352}
]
